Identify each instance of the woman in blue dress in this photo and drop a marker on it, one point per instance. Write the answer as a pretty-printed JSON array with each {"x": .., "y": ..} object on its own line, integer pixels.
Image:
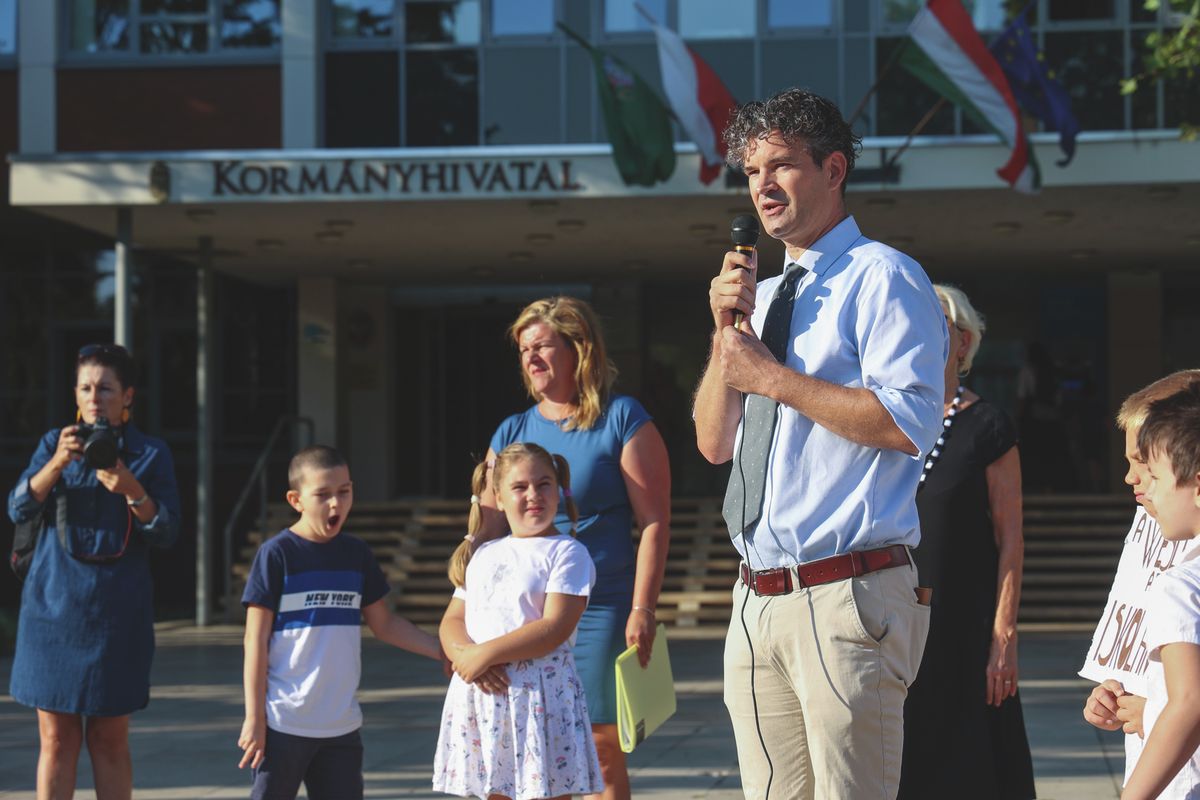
[
  {"x": 620, "y": 476},
  {"x": 85, "y": 636}
]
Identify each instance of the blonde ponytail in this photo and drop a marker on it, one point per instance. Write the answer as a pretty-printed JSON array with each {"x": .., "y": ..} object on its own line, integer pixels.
[{"x": 457, "y": 568}]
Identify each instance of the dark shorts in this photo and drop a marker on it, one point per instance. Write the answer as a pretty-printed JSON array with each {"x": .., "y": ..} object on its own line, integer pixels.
[
  {"x": 331, "y": 769},
  {"x": 599, "y": 639}
]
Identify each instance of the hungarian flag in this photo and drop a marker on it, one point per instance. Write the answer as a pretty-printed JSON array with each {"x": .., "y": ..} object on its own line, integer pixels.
[
  {"x": 962, "y": 69},
  {"x": 638, "y": 124},
  {"x": 699, "y": 99}
]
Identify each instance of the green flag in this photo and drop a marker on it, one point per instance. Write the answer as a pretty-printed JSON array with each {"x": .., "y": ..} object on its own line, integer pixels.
[{"x": 638, "y": 124}]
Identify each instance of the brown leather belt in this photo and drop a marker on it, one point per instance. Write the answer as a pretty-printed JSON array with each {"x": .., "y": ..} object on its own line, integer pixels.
[{"x": 783, "y": 580}]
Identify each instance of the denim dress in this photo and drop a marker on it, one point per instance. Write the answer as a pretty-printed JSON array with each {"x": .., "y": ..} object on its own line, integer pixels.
[{"x": 85, "y": 636}]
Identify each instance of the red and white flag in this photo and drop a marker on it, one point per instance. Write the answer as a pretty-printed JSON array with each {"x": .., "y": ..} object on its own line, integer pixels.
[
  {"x": 697, "y": 96},
  {"x": 944, "y": 31}
]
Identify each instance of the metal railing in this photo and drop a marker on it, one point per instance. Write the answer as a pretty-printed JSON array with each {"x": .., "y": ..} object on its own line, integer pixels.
[{"x": 258, "y": 474}]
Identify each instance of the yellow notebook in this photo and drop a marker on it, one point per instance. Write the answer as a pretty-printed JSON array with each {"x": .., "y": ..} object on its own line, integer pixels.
[{"x": 645, "y": 697}]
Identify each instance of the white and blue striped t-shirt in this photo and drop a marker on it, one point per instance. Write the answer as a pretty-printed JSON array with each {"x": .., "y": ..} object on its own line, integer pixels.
[{"x": 314, "y": 660}]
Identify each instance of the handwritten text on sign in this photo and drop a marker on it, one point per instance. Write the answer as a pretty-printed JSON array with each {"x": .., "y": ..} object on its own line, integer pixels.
[{"x": 1118, "y": 648}]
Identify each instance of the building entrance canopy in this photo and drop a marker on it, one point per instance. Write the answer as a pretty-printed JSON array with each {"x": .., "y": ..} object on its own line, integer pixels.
[{"x": 523, "y": 213}]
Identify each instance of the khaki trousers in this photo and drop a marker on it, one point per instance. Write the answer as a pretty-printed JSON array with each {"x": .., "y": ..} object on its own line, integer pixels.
[{"x": 831, "y": 668}]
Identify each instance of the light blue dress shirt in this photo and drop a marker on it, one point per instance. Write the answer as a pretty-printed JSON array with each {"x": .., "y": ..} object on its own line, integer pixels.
[{"x": 866, "y": 316}]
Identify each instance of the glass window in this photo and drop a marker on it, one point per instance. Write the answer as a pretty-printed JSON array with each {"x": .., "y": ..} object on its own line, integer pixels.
[
  {"x": 1071, "y": 10},
  {"x": 988, "y": 15},
  {"x": 99, "y": 25},
  {"x": 8, "y": 27},
  {"x": 790, "y": 14},
  {"x": 442, "y": 98},
  {"x": 522, "y": 17},
  {"x": 250, "y": 23},
  {"x": 1090, "y": 66},
  {"x": 167, "y": 27},
  {"x": 902, "y": 100},
  {"x": 174, "y": 6},
  {"x": 1139, "y": 13},
  {"x": 1143, "y": 103},
  {"x": 622, "y": 16},
  {"x": 442, "y": 22},
  {"x": 174, "y": 37},
  {"x": 368, "y": 19},
  {"x": 716, "y": 19},
  {"x": 1180, "y": 103},
  {"x": 900, "y": 12}
]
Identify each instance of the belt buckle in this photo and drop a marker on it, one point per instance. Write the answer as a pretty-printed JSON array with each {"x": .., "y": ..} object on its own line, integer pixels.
[{"x": 772, "y": 581}]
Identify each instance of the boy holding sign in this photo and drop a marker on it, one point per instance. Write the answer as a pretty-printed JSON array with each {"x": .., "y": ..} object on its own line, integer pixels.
[
  {"x": 1118, "y": 656},
  {"x": 1169, "y": 765}
]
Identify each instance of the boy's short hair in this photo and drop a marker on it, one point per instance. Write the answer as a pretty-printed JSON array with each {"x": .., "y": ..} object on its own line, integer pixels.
[
  {"x": 1172, "y": 429},
  {"x": 1133, "y": 411},
  {"x": 318, "y": 456}
]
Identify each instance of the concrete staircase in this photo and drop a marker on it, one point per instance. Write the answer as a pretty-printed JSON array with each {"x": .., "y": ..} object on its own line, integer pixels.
[{"x": 1072, "y": 545}]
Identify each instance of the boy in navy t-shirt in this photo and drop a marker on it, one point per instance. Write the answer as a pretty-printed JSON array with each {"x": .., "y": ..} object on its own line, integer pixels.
[{"x": 307, "y": 589}]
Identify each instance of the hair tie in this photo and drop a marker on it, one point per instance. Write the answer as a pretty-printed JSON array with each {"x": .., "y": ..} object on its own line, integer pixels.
[
  {"x": 470, "y": 538},
  {"x": 474, "y": 499},
  {"x": 491, "y": 463},
  {"x": 566, "y": 492}
]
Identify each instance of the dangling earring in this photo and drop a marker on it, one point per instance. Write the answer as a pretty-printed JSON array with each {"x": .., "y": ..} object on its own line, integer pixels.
[
  {"x": 125, "y": 415},
  {"x": 78, "y": 415},
  {"x": 962, "y": 373}
]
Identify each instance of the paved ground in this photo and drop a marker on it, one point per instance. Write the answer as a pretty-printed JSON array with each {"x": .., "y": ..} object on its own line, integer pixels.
[{"x": 184, "y": 743}]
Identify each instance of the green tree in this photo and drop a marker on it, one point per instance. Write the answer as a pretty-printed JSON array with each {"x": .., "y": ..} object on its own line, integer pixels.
[{"x": 1173, "y": 54}]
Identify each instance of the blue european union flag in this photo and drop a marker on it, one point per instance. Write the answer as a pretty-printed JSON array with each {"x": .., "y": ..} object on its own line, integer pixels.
[{"x": 1034, "y": 85}]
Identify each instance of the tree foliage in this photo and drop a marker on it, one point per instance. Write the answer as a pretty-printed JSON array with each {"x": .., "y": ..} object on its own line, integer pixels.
[{"x": 1173, "y": 54}]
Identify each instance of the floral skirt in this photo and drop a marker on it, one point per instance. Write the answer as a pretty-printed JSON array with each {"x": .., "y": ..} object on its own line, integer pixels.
[{"x": 534, "y": 741}]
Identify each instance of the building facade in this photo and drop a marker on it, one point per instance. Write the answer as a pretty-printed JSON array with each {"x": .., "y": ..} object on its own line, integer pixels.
[{"x": 336, "y": 206}]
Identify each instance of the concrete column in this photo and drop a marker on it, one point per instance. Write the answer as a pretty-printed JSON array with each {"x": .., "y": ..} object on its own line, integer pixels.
[
  {"x": 37, "y": 56},
  {"x": 301, "y": 63},
  {"x": 1134, "y": 347},
  {"x": 317, "y": 359},
  {"x": 122, "y": 310},
  {"x": 205, "y": 403},
  {"x": 366, "y": 369}
]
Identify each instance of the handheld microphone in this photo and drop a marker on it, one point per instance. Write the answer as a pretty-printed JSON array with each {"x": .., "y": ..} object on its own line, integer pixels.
[{"x": 744, "y": 233}]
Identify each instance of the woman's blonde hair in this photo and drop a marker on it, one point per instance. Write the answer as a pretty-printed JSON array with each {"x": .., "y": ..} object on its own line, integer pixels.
[
  {"x": 518, "y": 451},
  {"x": 575, "y": 321},
  {"x": 963, "y": 316}
]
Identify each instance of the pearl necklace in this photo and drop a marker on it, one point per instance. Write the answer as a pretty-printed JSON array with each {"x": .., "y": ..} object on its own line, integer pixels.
[{"x": 947, "y": 423}]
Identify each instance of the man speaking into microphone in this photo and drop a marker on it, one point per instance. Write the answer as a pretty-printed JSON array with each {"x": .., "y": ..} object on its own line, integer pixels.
[{"x": 826, "y": 396}]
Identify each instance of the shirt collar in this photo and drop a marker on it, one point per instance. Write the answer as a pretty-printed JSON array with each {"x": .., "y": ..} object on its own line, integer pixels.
[{"x": 829, "y": 248}]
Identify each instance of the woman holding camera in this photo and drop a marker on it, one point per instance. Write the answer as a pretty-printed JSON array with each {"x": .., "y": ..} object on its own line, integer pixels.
[{"x": 104, "y": 493}]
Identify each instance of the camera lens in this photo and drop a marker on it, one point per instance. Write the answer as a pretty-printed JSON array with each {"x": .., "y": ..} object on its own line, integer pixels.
[{"x": 100, "y": 449}]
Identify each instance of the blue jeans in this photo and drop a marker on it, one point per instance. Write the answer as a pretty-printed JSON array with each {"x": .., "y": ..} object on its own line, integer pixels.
[{"x": 331, "y": 769}]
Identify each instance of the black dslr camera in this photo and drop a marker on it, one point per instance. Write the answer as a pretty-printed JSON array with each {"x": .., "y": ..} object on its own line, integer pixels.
[{"x": 100, "y": 450}]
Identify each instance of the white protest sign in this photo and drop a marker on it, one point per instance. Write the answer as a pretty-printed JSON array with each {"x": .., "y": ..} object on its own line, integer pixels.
[{"x": 1118, "y": 648}]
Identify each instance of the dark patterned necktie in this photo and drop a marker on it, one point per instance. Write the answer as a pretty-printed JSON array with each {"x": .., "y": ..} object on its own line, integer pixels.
[{"x": 744, "y": 496}]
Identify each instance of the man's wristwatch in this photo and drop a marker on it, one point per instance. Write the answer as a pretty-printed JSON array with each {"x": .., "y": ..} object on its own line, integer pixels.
[{"x": 139, "y": 501}]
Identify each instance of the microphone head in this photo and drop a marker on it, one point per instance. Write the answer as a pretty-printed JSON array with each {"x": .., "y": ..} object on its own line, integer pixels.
[{"x": 744, "y": 230}]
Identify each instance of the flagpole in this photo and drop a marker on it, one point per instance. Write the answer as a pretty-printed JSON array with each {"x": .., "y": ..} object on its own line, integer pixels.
[
  {"x": 920, "y": 126},
  {"x": 638, "y": 7},
  {"x": 862, "y": 104}
]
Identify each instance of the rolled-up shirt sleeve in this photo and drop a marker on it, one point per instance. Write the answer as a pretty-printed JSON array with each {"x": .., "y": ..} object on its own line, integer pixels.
[
  {"x": 22, "y": 505},
  {"x": 159, "y": 483},
  {"x": 903, "y": 345}
]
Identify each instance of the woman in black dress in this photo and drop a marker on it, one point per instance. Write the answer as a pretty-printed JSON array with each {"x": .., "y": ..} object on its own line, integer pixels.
[{"x": 962, "y": 722}]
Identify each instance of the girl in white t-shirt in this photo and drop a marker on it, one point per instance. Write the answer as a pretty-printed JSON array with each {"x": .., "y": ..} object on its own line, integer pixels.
[{"x": 515, "y": 723}]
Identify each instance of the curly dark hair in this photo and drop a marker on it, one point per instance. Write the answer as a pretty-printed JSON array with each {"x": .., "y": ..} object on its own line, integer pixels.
[{"x": 801, "y": 117}]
